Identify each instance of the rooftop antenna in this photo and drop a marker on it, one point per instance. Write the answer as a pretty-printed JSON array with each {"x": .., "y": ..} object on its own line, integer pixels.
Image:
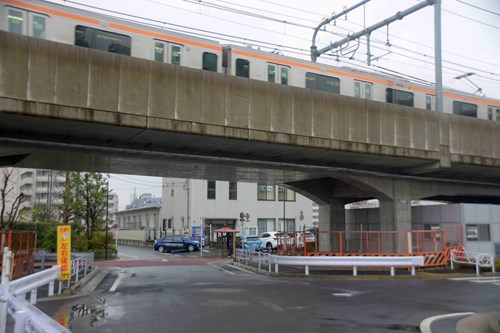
[{"x": 466, "y": 76}]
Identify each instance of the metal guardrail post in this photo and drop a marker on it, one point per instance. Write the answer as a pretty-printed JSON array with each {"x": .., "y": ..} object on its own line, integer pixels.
[
  {"x": 51, "y": 288},
  {"x": 20, "y": 326},
  {"x": 33, "y": 296},
  {"x": 6, "y": 268}
]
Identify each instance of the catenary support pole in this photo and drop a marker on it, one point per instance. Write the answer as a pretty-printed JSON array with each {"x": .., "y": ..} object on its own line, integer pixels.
[{"x": 438, "y": 60}]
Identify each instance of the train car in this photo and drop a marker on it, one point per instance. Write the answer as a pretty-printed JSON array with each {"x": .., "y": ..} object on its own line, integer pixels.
[
  {"x": 255, "y": 64},
  {"x": 88, "y": 29}
]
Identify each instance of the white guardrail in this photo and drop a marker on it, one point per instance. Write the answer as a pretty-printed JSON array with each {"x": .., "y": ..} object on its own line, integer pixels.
[
  {"x": 480, "y": 260},
  {"x": 248, "y": 256},
  {"x": 27, "y": 317}
]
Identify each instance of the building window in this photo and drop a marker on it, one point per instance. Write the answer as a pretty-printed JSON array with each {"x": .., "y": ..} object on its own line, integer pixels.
[
  {"x": 490, "y": 113},
  {"x": 477, "y": 232},
  {"x": 498, "y": 114},
  {"x": 465, "y": 109},
  {"x": 211, "y": 189},
  {"x": 399, "y": 97},
  {"x": 265, "y": 192},
  {"x": 265, "y": 225},
  {"x": 242, "y": 68},
  {"x": 209, "y": 62},
  {"x": 285, "y": 194},
  {"x": 102, "y": 40},
  {"x": 233, "y": 191},
  {"x": 289, "y": 225},
  {"x": 172, "y": 192},
  {"x": 322, "y": 83}
]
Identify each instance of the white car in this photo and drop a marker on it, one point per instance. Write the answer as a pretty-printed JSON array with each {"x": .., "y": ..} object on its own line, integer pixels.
[{"x": 269, "y": 240}]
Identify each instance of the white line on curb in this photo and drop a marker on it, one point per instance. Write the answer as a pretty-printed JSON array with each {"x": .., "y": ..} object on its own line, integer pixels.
[{"x": 425, "y": 325}]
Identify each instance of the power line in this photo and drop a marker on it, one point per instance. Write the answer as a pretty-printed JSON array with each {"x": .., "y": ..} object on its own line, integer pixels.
[{"x": 473, "y": 6}]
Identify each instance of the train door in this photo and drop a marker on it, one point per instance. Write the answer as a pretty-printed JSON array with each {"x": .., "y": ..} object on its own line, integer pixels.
[
  {"x": 363, "y": 89},
  {"x": 430, "y": 102},
  {"x": 167, "y": 52},
  {"x": 26, "y": 23},
  {"x": 278, "y": 73}
]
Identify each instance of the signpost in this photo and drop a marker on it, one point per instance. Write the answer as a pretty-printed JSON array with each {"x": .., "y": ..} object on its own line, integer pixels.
[{"x": 64, "y": 251}]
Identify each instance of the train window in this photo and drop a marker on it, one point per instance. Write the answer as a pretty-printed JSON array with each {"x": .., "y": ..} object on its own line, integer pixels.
[
  {"x": 102, "y": 40},
  {"x": 242, "y": 68},
  {"x": 363, "y": 89},
  {"x": 465, "y": 109},
  {"x": 368, "y": 90},
  {"x": 209, "y": 61},
  {"x": 322, "y": 83},
  {"x": 398, "y": 97},
  {"x": 39, "y": 26},
  {"x": 271, "y": 73},
  {"x": 429, "y": 102},
  {"x": 284, "y": 74},
  {"x": 175, "y": 58},
  {"x": 16, "y": 21},
  {"x": 159, "y": 51}
]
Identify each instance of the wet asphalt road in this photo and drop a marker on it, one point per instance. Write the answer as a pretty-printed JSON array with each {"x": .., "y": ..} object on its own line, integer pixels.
[{"x": 213, "y": 297}]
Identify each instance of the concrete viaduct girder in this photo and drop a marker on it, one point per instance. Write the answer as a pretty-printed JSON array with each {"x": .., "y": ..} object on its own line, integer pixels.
[{"x": 67, "y": 107}]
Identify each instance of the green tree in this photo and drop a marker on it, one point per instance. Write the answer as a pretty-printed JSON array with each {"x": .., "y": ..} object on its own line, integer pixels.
[{"x": 88, "y": 204}]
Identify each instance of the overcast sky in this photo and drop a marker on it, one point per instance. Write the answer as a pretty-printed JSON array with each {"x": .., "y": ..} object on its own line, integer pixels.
[{"x": 470, "y": 39}]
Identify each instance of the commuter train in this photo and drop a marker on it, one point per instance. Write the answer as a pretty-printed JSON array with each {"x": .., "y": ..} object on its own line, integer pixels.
[{"x": 83, "y": 28}]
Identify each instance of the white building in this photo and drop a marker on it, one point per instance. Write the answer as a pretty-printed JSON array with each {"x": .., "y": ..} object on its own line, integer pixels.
[{"x": 189, "y": 203}]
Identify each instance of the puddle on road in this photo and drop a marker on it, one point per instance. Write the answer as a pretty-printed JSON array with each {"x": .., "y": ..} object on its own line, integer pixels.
[{"x": 83, "y": 315}]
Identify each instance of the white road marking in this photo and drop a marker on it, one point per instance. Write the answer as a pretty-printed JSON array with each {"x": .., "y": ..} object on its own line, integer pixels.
[
  {"x": 425, "y": 325},
  {"x": 117, "y": 282},
  {"x": 342, "y": 294},
  {"x": 485, "y": 281},
  {"x": 126, "y": 255},
  {"x": 473, "y": 278},
  {"x": 220, "y": 268}
]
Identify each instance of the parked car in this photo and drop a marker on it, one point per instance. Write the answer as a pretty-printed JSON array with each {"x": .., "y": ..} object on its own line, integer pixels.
[
  {"x": 252, "y": 243},
  {"x": 269, "y": 240},
  {"x": 176, "y": 243}
]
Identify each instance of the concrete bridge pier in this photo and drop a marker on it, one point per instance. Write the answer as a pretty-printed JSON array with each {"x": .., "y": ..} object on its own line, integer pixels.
[{"x": 331, "y": 218}]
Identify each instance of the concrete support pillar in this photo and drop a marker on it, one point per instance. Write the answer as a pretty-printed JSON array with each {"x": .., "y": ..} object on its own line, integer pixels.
[
  {"x": 395, "y": 215},
  {"x": 331, "y": 218}
]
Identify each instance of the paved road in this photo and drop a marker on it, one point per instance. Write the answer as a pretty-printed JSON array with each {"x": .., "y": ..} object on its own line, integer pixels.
[{"x": 214, "y": 297}]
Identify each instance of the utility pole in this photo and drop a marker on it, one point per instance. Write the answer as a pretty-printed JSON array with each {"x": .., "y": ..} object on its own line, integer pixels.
[{"x": 437, "y": 56}]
